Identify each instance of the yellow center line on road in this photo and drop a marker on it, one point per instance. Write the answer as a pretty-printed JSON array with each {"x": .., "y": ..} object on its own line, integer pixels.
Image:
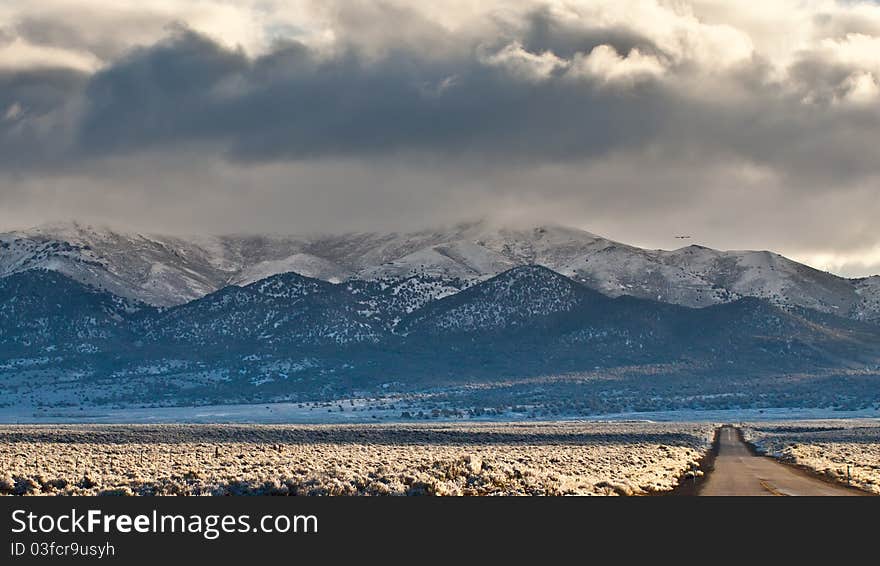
[{"x": 772, "y": 489}]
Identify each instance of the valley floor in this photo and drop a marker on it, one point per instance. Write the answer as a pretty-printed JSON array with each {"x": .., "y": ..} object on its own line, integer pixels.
[
  {"x": 559, "y": 458},
  {"x": 385, "y": 410},
  {"x": 842, "y": 451}
]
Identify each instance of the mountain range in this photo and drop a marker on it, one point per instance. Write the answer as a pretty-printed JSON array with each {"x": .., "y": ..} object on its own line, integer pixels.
[
  {"x": 96, "y": 316},
  {"x": 166, "y": 270}
]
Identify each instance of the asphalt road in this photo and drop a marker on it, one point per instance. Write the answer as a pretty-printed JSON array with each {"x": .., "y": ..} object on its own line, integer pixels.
[{"x": 739, "y": 472}]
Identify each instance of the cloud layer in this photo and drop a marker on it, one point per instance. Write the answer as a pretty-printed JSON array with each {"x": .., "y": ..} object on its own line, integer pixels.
[{"x": 743, "y": 124}]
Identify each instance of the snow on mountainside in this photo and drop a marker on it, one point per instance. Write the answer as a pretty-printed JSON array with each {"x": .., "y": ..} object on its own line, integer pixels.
[
  {"x": 64, "y": 343},
  {"x": 283, "y": 310},
  {"x": 388, "y": 300},
  {"x": 868, "y": 308},
  {"x": 168, "y": 270},
  {"x": 160, "y": 271},
  {"x": 303, "y": 264},
  {"x": 43, "y": 312},
  {"x": 461, "y": 259},
  {"x": 516, "y": 298},
  {"x": 535, "y": 311}
]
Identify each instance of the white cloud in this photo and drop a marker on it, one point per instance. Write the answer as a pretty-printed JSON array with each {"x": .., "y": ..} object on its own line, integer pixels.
[
  {"x": 530, "y": 66},
  {"x": 606, "y": 64},
  {"x": 851, "y": 263},
  {"x": 854, "y": 50},
  {"x": 21, "y": 55},
  {"x": 861, "y": 88}
]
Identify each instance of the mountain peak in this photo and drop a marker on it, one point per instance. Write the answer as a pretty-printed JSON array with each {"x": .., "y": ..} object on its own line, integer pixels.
[
  {"x": 170, "y": 270},
  {"x": 288, "y": 285},
  {"x": 70, "y": 229},
  {"x": 528, "y": 274},
  {"x": 694, "y": 247},
  {"x": 525, "y": 296}
]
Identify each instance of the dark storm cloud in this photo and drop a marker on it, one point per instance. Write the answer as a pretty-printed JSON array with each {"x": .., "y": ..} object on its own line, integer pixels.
[
  {"x": 293, "y": 104},
  {"x": 41, "y": 91},
  {"x": 168, "y": 92},
  {"x": 615, "y": 124},
  {"x": 35, "y": 121},
  {"x": 542, "y": 31}
]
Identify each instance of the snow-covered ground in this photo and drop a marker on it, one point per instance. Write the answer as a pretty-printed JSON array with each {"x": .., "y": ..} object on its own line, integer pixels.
[
  {"x": 385, "y": 410},
  {"x": 844, "y": 450},
  {"x": 342, "y": 411},
  {"x": 436, "y": 459},
  {"x": 745, "y": 415}
]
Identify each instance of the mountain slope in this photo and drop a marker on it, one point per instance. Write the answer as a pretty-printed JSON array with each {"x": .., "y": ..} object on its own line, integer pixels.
[
  {"x": 167, "y": 270},
  {"x": 532, "y": 312},
  {"x": 868, "y": 307},
  {"x": 46, "y": 312},
  {"x": 286, "y": 310},
  {"x": 528, "y": 298},
  {"x": 294, "y": 337}
]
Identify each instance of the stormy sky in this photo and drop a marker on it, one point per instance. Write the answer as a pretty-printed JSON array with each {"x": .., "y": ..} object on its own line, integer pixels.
[{"x": 744, "y": 124}]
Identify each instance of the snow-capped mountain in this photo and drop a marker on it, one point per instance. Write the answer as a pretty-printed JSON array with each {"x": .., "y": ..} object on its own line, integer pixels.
[
  {"x": 155, "y": 270},
  {"x": 171, "y": 270},
  {"x": 533, "y": 308},
  {"x": 167, "y": 270},
  {"x": 290, "y": 336}
]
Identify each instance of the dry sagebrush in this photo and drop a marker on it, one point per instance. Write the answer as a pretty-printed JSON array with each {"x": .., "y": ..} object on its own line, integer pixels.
[
  {"x": 826, "y": 447},
  {"x": 474, "y": 459}
]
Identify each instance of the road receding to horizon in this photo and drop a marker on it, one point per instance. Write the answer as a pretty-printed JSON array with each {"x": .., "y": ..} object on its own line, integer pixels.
[{"x": 739, "y": 472}]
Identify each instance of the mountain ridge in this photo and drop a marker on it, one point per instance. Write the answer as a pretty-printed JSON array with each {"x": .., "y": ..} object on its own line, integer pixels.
[
  {"x": 172, "y": 270},
  {"x": 65, "y": 343}
]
